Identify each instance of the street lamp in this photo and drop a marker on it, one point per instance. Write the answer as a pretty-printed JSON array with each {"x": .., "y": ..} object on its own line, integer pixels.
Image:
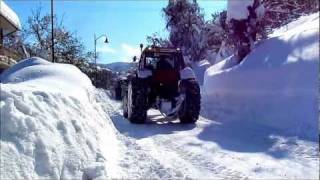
[{"x": 95, "y": 53}]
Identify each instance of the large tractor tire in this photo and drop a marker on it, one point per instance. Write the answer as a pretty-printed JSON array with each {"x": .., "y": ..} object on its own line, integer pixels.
[
  {"x": 117, "y": 93},
  {"x": 190, "y": 108},
  {"x": 136, "y": 101},
  {"x": 124, "y": 93},
  {"x": 124, "y": 105}
]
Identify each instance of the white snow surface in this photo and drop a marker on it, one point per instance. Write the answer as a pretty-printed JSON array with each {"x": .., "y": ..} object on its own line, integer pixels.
[
  {"x": 276, "y": 85},
  {"x": 55, "y": 134},
  {"x": 199, "y": 68},
  {"x": 187, "y": 73},
  {"x": 50, "y": 122},
  {"x": 59, "y": 78},
  {"x": 209, "y": 149},
  {"x": 224, "y": 52}
]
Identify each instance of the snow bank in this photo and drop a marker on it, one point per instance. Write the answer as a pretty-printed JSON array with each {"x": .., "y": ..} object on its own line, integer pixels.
[
  {"x": 276, "y": 85},
  {"x": 52, "y": 77},
  {"x": 224, "y": 52},
  {"x": 50, "y": 124},
  {"x": 199, "y": 68},
  {"x": 303, "y": 20}
]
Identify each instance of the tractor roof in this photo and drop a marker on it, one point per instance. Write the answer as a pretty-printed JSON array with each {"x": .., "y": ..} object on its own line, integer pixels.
[{"x": 152, "y": 49}]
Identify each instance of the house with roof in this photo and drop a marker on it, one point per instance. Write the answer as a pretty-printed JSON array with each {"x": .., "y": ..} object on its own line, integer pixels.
[{"x": 9, "y": 24}]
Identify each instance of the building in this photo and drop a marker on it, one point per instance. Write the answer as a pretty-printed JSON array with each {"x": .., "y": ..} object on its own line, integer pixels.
[{"x": 9, "y": 24}]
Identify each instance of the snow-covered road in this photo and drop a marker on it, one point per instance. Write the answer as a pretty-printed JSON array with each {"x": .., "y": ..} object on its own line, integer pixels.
[
  {"x": 208, "y": 149},
  {"x": 53, "y": 127},
  {"x": 56, "y": 125}
]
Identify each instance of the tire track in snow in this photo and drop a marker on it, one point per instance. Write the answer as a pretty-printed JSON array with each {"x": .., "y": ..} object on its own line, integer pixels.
[
  {"x": 193, "y": 163},
  {"x": 168, "y": 155},
  {"x": 140, "y": 164},
  {"x": 204, "y": 164},
  {"x": 134, "y": 161}
]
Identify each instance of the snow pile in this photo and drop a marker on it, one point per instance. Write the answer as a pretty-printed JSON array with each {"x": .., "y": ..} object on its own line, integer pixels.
[
  {"x": 199, "y": 68},
  {"x": 276, "y": 85},
  {"x": 307, "y": 20},
  {"x": 50, "y": 124},
  {"x": 50, "y": 77},
  {"x": 224, "y": 52}
]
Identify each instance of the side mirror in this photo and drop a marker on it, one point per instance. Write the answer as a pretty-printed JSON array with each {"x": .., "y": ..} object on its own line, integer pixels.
[
  {"x": 141, "y": 46},
  {"x": 134, "y": 58}
]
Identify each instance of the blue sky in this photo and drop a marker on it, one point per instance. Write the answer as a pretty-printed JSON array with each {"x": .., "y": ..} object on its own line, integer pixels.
[{"x": 125, "y": 22}]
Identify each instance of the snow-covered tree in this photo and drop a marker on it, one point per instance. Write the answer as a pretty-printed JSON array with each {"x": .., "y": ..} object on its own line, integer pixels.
[
  {"x": 214, "y": 34},
  {"x": 198, "y": 39},
  {"x": 37, "y": 39},
  {"x": 185, "y": 23},
  {"x": 156, "y": 40},
  {"x": 270, "y": 15},
  {"x": 281, "y": 12}
]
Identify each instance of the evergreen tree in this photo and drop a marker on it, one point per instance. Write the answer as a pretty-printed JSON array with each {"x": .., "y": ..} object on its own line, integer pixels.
[{"x": 185, "y": 23}]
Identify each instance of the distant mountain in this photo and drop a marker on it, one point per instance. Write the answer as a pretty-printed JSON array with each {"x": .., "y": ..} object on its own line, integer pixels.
[{"x": 118, "y": 66}]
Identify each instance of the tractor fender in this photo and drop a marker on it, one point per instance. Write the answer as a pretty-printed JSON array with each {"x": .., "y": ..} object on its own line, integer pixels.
[
  {"x": 187, "y": 73},
  {"x": 144, "y": 73}
]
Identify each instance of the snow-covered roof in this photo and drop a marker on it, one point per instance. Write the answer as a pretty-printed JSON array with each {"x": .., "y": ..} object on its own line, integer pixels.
[{"x": 9, "y": 20}]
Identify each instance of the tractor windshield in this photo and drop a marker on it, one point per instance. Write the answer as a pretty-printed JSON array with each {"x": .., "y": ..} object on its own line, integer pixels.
[{"x": 162, "y": 61}]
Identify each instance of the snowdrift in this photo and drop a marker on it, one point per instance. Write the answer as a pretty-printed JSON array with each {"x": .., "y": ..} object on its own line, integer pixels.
[
  {"x": 275, "y": 85},
  {"x": 199, "y": 68},
  {"x": 62, "y": 78},
  {"x": 50, "y": 125}
]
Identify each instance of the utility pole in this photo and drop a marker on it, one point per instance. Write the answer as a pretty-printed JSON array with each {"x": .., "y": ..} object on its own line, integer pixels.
[
  {"x": 95, "y": 60},
  {"x": 52, "y": 33}
]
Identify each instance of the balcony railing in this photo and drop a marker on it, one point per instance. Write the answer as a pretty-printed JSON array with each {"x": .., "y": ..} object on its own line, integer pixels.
[
  {"x": 8, "y": 58},
  {"x": 9, "y": 53}
]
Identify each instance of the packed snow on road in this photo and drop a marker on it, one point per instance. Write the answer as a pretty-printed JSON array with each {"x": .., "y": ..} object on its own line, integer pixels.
[{"x": 258, "y": 120}]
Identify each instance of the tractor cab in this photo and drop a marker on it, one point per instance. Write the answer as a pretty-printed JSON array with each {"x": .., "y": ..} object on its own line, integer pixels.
[{"x": 164, "y": 63}]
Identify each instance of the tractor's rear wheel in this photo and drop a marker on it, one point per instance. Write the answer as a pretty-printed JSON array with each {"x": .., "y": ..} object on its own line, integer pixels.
[
  {"x": 190, "y": 108},
  {"x": 137, "y": 101},
  {"x": 124, "y": 96}
]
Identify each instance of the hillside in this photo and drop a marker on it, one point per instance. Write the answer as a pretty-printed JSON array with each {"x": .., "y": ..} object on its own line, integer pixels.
[{"x": 119, "y": 66}]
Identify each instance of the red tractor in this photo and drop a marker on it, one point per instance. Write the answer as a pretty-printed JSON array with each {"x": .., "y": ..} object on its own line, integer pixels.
[{"x": 161, "y": 81}]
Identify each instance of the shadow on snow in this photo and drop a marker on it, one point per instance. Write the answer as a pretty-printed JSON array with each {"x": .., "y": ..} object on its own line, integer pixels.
[
  {"x": 242, "y": 135},
  {"x": 155, "y": 124}
]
